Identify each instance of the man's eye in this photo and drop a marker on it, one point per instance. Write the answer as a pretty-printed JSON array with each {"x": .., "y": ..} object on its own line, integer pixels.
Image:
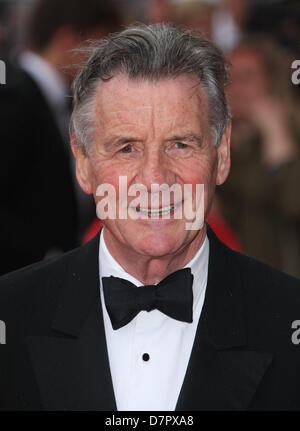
[
  {"x": 180, "y": 145},
  {"x": 127, "y": 149}
]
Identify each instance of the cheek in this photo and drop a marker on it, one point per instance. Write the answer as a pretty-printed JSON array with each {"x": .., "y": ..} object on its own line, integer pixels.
[
  {"x": 104, "y": 172},
  {"x": 199, "y": 171},
  {"x": 102, "y": 175},
  {"x": 203, "y": 171},
  {"x": 107, "y": 175}
]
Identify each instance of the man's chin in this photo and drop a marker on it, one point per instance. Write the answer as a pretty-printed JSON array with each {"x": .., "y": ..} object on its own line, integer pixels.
[
  {"x": 158, "y": 244},
  {"x": 150, "y": 239}
]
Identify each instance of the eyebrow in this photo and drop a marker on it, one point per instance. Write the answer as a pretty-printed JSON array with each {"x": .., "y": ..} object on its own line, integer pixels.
[
  {"x": 189, "y": 137},
  {"x": 117, "y": 142}
]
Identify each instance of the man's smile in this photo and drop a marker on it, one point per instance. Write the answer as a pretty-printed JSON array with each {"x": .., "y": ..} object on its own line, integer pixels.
[{"x": 154, "y": 212}]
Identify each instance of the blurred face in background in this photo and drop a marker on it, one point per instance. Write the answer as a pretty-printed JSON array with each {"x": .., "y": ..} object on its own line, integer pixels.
[
  {"x": 249, "y": 82},
  {"x": 72, "y": 45}
]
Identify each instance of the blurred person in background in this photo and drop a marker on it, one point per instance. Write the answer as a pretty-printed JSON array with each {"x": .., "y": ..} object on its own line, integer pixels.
[
  {"x": 2, "y": 11},
  {"x": 196, "y": 14},
  {"x": 42, "y": 214},
  {"x": 279, "y": 19},
  {"x": 223, "y": 21},
  {"x": 261, "y": 198},
  {"x": 229, "y": 21},
  {"x": 4, "y": 17}
]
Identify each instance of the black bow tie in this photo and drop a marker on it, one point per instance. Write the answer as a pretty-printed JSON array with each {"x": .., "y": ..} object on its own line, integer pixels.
[{"x": 172, "y": 296}]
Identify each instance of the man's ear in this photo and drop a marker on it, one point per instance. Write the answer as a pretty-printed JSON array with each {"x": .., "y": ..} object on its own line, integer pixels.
[
  {"x": 82, "y": 167},
  {"x": 223, "y": 152}
]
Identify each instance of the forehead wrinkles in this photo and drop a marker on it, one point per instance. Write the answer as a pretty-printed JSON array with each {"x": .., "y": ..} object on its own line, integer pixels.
[
  {"x": 143, "y": 117},
  {"x": 148, "y": 104}
]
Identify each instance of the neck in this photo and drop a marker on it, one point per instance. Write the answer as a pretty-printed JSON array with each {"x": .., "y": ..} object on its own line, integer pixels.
[{"x": 150, "y": 269}]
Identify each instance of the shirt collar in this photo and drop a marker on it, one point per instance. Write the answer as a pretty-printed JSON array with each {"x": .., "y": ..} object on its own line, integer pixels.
[
  {"x": 46, "y": 76},
  {"x": 199, "y": 267}
]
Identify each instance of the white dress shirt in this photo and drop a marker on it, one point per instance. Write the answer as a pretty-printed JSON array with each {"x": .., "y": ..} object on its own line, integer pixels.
[{"x": 154, "y": 384}]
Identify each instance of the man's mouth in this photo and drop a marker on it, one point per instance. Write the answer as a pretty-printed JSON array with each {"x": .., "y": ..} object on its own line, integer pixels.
[{"x": 154, "y": 212}]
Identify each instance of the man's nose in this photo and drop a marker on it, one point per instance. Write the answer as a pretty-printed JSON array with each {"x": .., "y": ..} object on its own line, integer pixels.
[{"x": 155, "y": 169}]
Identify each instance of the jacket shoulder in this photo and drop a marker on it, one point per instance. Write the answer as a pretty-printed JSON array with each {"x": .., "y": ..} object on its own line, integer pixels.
[
  {"x": 265, "y": 290},
  {"x": 268, "y": 299},
  {"x": 253, "y": 273},
  {"x": 257, "y": 275}
]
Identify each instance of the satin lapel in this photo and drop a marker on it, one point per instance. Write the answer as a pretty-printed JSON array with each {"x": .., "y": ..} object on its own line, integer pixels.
[
  {"x": 222, "y": 374},
  {"x": 72, "y": 366}
]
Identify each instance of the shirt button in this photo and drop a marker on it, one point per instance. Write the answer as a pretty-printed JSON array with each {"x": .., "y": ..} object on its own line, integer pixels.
[{"x": 146, "y": 357}]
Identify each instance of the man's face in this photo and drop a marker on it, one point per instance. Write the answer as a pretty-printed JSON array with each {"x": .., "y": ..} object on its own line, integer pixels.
[{"x": 153, "y": 133}]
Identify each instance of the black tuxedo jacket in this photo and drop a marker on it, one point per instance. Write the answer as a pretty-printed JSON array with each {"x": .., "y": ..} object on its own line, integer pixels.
[
  {"x": 55, "y": 356},
  {"x": 38, "y": 205}
]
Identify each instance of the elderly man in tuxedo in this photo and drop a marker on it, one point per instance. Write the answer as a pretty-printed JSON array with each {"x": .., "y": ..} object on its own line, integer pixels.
[{"x": 150, "y": 314}]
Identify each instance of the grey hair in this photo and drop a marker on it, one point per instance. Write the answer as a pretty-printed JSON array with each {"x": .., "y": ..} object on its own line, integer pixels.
[{"x": 150, "y": 52}]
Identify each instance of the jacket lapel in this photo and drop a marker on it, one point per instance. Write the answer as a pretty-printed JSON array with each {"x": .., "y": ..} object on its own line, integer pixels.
[
  {"x": 72, "y": 366},
  {"x": 222, "y": 373}
]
